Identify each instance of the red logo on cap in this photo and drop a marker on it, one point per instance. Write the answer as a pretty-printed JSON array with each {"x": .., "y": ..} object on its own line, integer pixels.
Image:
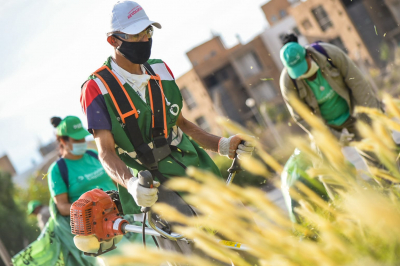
[{"x": 134, "y": 11}]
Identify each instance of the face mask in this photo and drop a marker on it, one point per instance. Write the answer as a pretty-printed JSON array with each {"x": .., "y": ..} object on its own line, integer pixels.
[
  {"x": 79, "y": 148},
  {"x": 136, "y": 52},
  {"x": 313, "y": 69}
]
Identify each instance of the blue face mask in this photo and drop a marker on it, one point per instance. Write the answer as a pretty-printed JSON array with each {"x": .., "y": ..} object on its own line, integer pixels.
[{"x": 79, "y": 148}]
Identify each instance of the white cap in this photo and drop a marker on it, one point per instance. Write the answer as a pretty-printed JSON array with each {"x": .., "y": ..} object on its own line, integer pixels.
[{"x": 129, "y": 17}]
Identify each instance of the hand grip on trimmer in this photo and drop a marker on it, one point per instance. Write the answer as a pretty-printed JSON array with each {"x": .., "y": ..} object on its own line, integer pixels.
[
  {"x": 235, "y": 167},
  {"x": 145, "y": 180}
]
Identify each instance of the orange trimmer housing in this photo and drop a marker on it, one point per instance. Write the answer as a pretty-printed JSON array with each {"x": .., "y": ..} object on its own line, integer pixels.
[{"x": 95, "y": 213}]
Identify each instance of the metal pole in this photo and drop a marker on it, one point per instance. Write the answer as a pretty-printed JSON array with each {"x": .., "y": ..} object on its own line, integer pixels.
[{"x": 4, "y": 254}]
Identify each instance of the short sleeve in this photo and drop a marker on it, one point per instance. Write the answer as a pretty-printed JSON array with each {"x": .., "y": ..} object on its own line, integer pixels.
[
  {"x": 94, "y": 106},
  {"x": 57, "y": 185}
]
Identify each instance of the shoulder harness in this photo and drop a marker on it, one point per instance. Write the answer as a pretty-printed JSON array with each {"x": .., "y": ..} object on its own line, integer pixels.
[{"x": 128, "y": 113}]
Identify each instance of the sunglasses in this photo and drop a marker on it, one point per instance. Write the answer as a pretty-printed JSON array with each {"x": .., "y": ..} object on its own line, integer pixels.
[{"x": 135, "y": 37}]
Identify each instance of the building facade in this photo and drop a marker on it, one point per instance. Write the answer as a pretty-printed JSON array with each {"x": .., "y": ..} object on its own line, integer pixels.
[
  {"x": 231, "y": 76},
  {"x": 328, "y": 21},
  {"x": 281, "y": 23},
  {"x": 6, "y": 165},
  {"x": 197, "y": 104},
  {"x": 362, "y": 28}
]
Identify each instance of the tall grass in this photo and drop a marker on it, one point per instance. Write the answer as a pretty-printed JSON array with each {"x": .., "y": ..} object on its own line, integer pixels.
[{"x": 360, "y": 225}]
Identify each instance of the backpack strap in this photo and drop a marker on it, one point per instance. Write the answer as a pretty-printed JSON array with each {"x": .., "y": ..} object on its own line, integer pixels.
[
  {"x": 62, "y": 166},
  {"x": 128, "y": 113},
  {"x": 92, "y": 153},
  {"x": 322, "y": 50}
]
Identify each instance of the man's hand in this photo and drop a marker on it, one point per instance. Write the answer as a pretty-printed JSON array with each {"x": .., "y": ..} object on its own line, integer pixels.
[
  {"x": 144, "y": 197},
  {"x": 231, "y": 146}
]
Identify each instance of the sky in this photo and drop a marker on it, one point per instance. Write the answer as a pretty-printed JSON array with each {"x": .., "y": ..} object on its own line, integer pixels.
[{"x": 50, "y": 47}]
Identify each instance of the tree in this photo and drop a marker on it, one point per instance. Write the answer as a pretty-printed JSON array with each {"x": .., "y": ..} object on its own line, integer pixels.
[{"x": 15, "y": 229}]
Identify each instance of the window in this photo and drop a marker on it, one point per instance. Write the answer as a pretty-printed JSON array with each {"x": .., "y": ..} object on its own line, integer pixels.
[
  {"x": 322, "y": 18},
  {"x": 306, "y": 24},
  {"x": 249, "y": 64},
  {"x": 188, "y": 98},
  {"x": 282, "y": 13},
  {"x": 202, "y": 122},
  {"x": 264, "y": 91}
]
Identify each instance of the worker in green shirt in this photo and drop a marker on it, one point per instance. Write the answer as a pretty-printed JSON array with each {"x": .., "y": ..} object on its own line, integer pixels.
[
  {"x": 78, "y": 170},
  {"x": 295, "y": 170},
  {"x": 324, "y": 78}
]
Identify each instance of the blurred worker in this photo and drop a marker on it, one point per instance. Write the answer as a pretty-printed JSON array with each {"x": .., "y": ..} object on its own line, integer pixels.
[
  {"x": 41, "y": 212},
  {"x": 295, "y": 170},
  {"x": 324, "y": 78},
  {"x": 133, "y": 107},
  {"x": 76, "y": 172}
]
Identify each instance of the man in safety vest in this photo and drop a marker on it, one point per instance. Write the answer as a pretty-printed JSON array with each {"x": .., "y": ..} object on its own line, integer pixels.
[{"x": 133, "y": 107}]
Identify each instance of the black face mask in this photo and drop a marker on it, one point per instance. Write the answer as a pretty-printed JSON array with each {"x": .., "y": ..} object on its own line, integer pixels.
[{"x": 136, "y": 52}]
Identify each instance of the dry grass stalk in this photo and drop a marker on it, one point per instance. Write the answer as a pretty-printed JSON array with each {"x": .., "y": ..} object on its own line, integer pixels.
[{"x": 358, "y": 227}]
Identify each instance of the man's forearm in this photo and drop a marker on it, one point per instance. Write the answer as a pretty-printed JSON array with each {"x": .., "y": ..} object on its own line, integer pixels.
[
  {"x": 204, "y": 139},
  {"x": 64, "y": 208},
  {"x": 115, "y": 168}
]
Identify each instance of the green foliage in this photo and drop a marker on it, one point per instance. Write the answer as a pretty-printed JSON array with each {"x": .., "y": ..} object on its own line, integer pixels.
[
  {"x": 277, "y": 112},
  {"x": 15, "y": 228},
  {"x": 243, "y": 178},
  {"x": 37, "y": 190}
]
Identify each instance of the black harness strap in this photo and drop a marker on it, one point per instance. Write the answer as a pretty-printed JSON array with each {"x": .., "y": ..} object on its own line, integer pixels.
[
  {"x": 128, "y": 113},
  {"x": 158, "y": 106}
]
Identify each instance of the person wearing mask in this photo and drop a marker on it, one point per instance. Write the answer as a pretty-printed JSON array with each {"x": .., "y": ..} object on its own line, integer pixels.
[
  {"x": 329, "y": 83},
  {"x": 78, "y": 170},
  {"x": 133, "y": 107},
  {"x": 41, "y": 212}
]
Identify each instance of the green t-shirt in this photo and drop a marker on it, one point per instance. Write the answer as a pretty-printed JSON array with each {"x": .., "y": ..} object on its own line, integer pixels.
[
  {"x": 334, "y": 109},
  {"x": 84, "y": 174}
]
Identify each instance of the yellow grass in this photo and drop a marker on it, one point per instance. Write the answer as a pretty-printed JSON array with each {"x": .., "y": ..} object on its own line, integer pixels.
[{"x": 359, "y": 226}]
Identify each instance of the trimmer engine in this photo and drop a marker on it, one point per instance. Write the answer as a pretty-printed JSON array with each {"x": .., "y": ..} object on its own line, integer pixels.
[{"x": 97, "y": 222}]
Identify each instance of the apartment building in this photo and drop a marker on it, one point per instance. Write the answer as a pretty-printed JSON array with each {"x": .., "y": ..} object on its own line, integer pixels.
[
  {"x": 6, "y": 165},
  {"x": 357, "y": 26},
  {"x": 231, "y": 76},
  {"x": 280, "y": 23},
  {"x": 328, "y": 21},
  {"x": 197, "y": 104}
]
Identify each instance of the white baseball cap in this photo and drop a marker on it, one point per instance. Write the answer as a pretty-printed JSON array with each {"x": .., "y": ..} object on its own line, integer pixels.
[{"x": 129, "y": 17}]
